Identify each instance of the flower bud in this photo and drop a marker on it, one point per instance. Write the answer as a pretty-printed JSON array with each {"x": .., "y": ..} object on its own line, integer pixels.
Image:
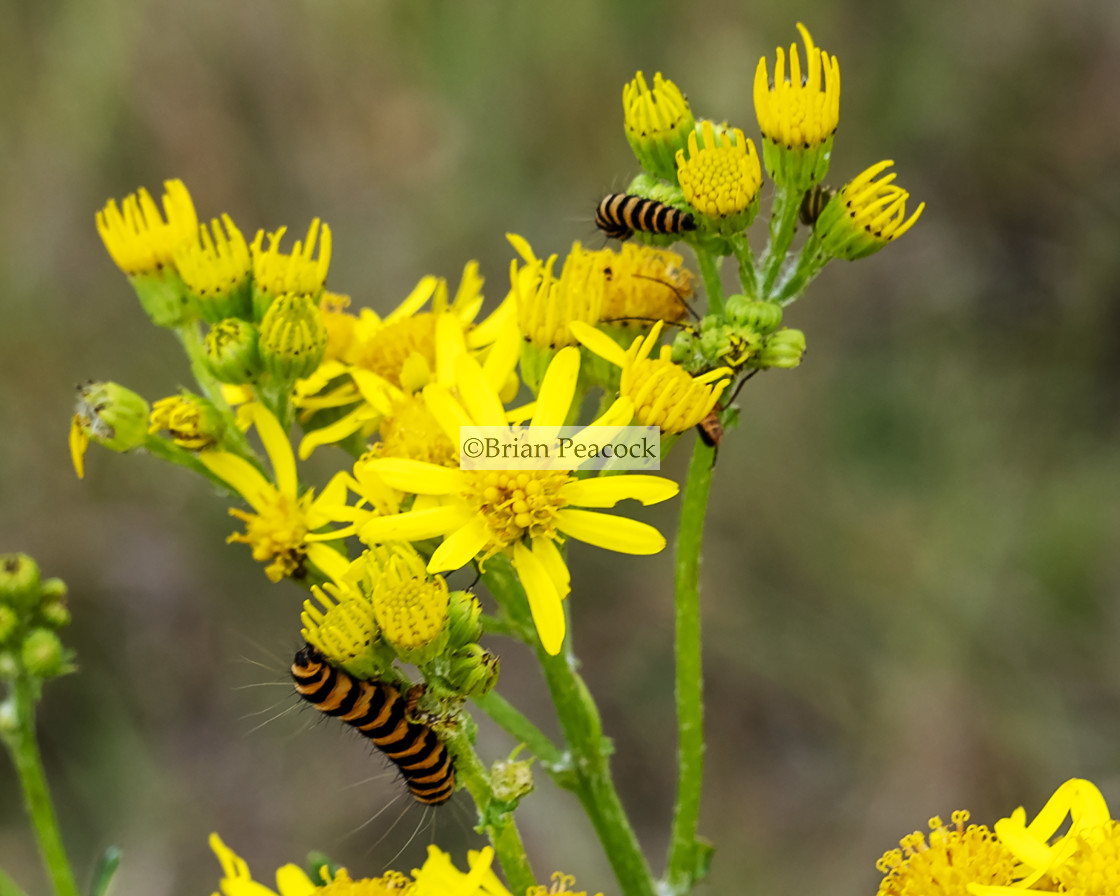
[
  {"x": 762, "y": 317},
  {"x": 42, "y": 654},
  {"x": 232, "y": 352},
  {"x": 54, "y": 613},
  {"x": 464, "y": 619},
  {"x": 781, "y": 349},
  {"x": 193, "y": 422},
  {"x": 9, "y": 718},
  {"x": 511, "y": 779},
  {"x": 658, "y": 123},
  {"x": 19, "y": 582},
  {"x": 472, "y": 670},
  {"x": 9, "y": 666},
  {"x": 9, "y": 623},
  {"x": 293, "y": 337},
  {"x": 110, "y": 415}
]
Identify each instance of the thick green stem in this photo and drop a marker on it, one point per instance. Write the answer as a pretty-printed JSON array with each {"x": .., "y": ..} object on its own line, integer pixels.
[
  {"x": 810, "y": 263},
  {"x": 495, "y": 819},
  {"x": 511, "y": 720},
  {"x": 709, "y": 273},
  {"x": 24, "y": 749},
  {"x": 748, "y": 276},
  {"x": 684, "y": 850}
]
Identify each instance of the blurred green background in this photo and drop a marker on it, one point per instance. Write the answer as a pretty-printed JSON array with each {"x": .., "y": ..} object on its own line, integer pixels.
[{"x": 912, "y": 591}]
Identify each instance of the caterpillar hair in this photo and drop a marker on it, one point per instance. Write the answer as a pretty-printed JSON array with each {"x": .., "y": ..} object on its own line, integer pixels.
[{"x": 379, "y": 711}]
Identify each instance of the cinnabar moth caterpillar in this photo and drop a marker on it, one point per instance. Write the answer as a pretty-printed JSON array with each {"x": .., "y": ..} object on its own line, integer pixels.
[
  {"x": 620, "y": 214},
  {"x": 377, "y": 710}
]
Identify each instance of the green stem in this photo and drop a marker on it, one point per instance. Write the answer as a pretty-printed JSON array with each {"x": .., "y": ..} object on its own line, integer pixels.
[
  {"x": 579, "y": 718},
  {"x": 495, "y": 818},
  {"x": 24, "y": 749},
  {"x": 684, "y": 849},
  {"x": 709, "y": 273},
  {"x": 783, "y": 225},
  {"x": 748, "y": 276},
  {"x": 810, "y": 262}
]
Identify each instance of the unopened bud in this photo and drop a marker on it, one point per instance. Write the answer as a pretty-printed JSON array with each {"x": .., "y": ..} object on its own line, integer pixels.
[
  {"x": 109, "y": 414},
  {"x": 193, "y": 422},
  {"x": 781, "y": 349},
  {"x": 42, "y": 653},
  {"x": 231, "y": 351},
  {"x": 762, "y": 317},
  {"x": 293, "y": 337},
  {"x": 464, "y": 619},
  {"x": 473, "y": 671},
  {"x": 9, "y": 623},
  {"x": 19, "y": 582}
]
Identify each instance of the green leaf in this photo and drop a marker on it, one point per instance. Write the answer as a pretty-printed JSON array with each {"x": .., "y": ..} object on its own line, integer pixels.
[
  {"x": 103, "y": 872},
  {"x": 8, "y": 886}
]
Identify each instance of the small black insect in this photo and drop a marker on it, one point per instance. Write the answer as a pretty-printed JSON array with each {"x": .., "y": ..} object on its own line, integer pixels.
[{"x": 813, "y": 203}]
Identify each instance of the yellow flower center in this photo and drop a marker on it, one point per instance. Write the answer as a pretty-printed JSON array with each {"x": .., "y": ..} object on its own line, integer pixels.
[
  {"x": 410, "y": 607},
  {"x": 1095, "y": 868},
  {"x": 723, "y": 177},
  {"x": 275, "y": 535},
  {"x": 644, "y": 284},
  {"x": 412, "y": 431},
  {"x": 392, "y": 883},
  {"x": 340, "y": 325},
  {"x": 344, "y": 631},
  {"x": 667, "y": 396},
  {"x": 517, "y": 504},
  {"x": 392, "y": 345},
  {"x": 954, "y": 857},
  {"x": 190, "y": 426}
]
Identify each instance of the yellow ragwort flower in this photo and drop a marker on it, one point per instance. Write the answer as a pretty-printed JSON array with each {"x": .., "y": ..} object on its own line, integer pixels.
[
  {"x": 410, "y": 606},
  {"x": 658, "y": 123},
  {"x": 138, "y": 238},
  {"x": 865, "y": 215},
  {"x": 643, "y": 285},
  {"x": 798, "y": 113},
  {"x": 721, "y": 179},
  {"x": 277, "y": 529},
  {"x": 291, "y": 880},
  {"x": 954, "y": 859},
  {"x": 663, "y": 393},
  {"x": 216, "y": 267},
  {"x": 292, "y": 337},
  {"x": 276, "y": 272},
  {"x": 546, "y": 304},
  {"x": 524, "y": 514},
  {"x": 439, "y": 877}
]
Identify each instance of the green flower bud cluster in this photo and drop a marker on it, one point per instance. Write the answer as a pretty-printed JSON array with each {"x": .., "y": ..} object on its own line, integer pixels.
[
  {"x": 745, "y": 335},
  {"x": 512, "y": 778},
  {"x": 31, "y": 612},
  {"x": 465, "y": 668}
]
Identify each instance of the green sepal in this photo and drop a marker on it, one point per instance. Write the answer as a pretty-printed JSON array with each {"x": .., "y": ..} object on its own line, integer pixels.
[{"x": 103, "y": 872}]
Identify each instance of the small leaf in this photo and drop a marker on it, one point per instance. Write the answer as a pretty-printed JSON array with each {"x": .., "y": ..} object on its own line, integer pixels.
[
  {"x": 8, "y": 886},
  {"x": 104, "y": 870}
]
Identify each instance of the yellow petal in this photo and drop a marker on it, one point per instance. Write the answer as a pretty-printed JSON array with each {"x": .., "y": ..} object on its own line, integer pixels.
[
  {"x": 415, "y": 525},
  {"x": 329, "y": 499},
  {"x": 615, "y": 533},
  {"x": 79, "y": 442},
  {"x": 599, "y": 342},
  {"x": 501, "y": 359},
  {"x": 449, "y": 414},
  {"x": 248, "y": 481},
  {"x": 335, "y": 432},
  {"x": 376, "y": 390},
  {"x": 544, "y": 602},
  {"x": 558, "y": 387},
  {"x": 477, "y": 395},
  {"x": 607, "y": 491},
  {"x": 277, "y": 446},
  {"x": 415, "y": 300},
  {"x": 450, "y": 344},
  {"x": 291, "y": 880},
  {"x": 417, "y": 476},
  {"x": 460, "y": 547},
  {"x": 549, "y": 554},
  {"x": 330, "y": 562},
  {"x": 621, "y": 413}
]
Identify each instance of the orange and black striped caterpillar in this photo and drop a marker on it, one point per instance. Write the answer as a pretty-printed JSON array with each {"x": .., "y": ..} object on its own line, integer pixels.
[
  {"x": 620, "y": 214},
  {"x": 377, "y": 710}
]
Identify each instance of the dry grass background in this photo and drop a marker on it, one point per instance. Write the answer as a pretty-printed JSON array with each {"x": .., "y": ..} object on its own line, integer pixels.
[{"x": 911, "y": 574}]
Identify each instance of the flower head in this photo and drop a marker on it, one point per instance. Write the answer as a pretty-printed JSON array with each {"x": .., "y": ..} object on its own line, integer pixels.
[
  {"x": 277, "y": 527},
  {"x": 547, "y": 303},
  {"x": 439, "y": 877},
  {"x": 721, "y": 179},
  {"x": 194, "y": 423},
  {"x": 658, "y": 122},
  {"x": 293, "y": 337},
  {"x": 798, "y": 113},
  {"x": 140, "y": 239},
  {"x": 276, "y": 272},
  {"x": 865, "y": 215},
  {"x": 410, "y": 606},
  {"x": 663, "y": 393},
  {"x": 954, "y": 859},
  {"x": 216, "y": 267},
  {"x": 644, "y": 284},
  {"x": 523, "y": 514}
]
